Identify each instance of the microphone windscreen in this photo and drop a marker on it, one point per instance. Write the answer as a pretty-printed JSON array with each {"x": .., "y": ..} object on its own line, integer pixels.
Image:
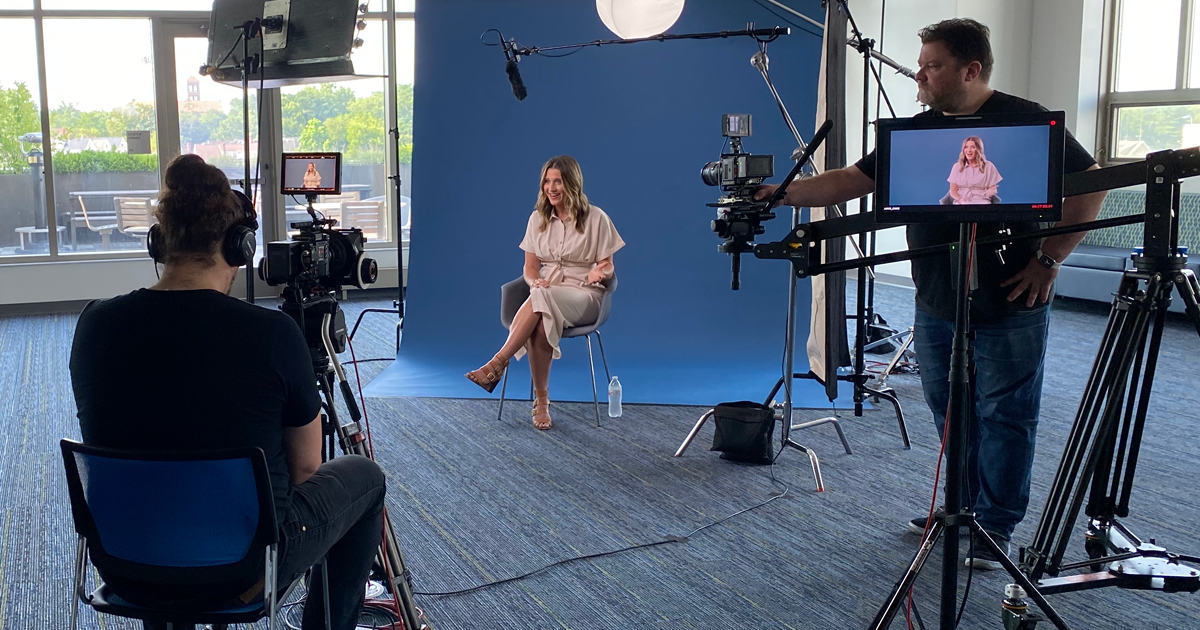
[{"x": 514, "y": 77}]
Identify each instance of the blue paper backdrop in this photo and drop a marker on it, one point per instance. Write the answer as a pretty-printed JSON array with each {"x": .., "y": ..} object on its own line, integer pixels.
[
  {"x": 642, "y": 120},
  {"x": 922, "y": 159}
]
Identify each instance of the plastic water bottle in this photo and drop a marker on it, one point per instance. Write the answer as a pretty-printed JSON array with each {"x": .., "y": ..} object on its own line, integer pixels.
[{"x": 614, "y": 398}]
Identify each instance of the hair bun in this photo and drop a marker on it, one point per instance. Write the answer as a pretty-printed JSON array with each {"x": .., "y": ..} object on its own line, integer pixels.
[{"x": 190, "y": 171}]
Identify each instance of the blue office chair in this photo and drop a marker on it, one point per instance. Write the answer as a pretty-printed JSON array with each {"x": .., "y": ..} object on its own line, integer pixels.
[
  {"x": 175, "y": 536},
  {"x": 513, "y": 294}
]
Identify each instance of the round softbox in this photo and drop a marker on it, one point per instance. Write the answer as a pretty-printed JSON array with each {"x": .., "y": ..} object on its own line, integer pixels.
[{"x": 631, "y": 19}]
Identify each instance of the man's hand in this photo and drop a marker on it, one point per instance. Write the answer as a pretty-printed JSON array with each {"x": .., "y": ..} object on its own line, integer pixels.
[
  {"x": 765, "y": 191},
  {"x": 1035, "y": 279}
]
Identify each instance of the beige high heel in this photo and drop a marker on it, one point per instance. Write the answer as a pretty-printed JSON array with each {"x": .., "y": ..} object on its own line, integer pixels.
[
  {"x": 541, "y": 410},
  {"x": 488, "y": 375}
]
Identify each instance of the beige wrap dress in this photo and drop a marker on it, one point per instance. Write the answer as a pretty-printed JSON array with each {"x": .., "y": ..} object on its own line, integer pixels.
[{"x": 567, "y": 256}]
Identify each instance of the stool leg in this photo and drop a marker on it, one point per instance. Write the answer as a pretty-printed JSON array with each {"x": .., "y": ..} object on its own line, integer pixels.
[{"x": 592, "y": 367}]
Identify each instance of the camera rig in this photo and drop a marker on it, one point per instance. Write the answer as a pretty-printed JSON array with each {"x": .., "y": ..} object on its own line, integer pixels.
[{"x": 739, "y": 215}]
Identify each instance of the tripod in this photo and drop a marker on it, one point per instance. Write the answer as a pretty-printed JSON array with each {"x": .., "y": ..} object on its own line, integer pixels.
[
  {"x": 1101, "y": 455},
  {"x": 948, "y": 523},
  {"x": 324, "y": 326}
]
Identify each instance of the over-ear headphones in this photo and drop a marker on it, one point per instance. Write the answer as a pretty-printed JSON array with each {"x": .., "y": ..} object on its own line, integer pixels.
[{"x": 237, "y": 247}]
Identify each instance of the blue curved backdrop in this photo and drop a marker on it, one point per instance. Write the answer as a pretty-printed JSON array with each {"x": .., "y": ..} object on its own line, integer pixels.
[{"x": 642, "y": 120}]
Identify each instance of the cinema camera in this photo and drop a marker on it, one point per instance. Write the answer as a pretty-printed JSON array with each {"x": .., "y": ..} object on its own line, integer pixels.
[
  {"x": 321, "y": 258},
  {"x": 739, "y": 174}
]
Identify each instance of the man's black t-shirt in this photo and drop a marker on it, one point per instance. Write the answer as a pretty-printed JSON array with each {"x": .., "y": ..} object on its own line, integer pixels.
[
  {"x": 192, "y": 370},
  {"x": 933, "y": 275}
]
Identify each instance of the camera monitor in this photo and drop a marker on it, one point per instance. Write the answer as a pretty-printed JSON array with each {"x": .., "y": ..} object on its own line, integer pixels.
[
  {"x": 970, "y": 169},
  {"x": 312, "y": 173}
]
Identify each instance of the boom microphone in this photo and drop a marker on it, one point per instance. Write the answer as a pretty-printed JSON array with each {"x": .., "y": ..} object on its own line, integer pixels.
[{"x": 514, "y": 77}]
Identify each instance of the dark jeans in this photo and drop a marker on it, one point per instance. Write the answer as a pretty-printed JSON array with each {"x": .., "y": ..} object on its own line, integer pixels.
[
  {"x": 338, "y": 513},
  {"x": 1006, "y": 382}
]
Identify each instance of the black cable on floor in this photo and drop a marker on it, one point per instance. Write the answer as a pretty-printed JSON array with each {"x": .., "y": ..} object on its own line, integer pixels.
[{"x": 667, "y": 540}]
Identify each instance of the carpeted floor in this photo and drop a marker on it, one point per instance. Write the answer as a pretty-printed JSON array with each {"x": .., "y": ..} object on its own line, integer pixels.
[{"x": 475, "y": 499}]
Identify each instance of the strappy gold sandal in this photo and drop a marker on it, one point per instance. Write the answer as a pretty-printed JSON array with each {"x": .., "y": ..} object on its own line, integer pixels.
[
  {"x": 541, "y": 410},
  {"x": 490, "y": 374}
]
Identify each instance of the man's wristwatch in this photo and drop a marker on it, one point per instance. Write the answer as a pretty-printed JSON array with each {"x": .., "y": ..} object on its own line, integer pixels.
[{"x": 1046, "y": 261}]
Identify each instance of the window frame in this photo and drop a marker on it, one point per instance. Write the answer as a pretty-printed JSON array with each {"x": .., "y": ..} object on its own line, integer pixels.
[
  {"x": 163, "y": 23},
  {"x": 1114, "y": 100}
]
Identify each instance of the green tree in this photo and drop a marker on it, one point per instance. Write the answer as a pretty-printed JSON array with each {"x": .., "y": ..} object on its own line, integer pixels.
[
  {"x": 230, "y": 128},
  {"x": 1159, "y": 127},
  {"x": 198, "y": 127},
  {"x": 313, "y": 137},
  {"x": 18, "y": 116},
  {"x": 314, "y": 102}
]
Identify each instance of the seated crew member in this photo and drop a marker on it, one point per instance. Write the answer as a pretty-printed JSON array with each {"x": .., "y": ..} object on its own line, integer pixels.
[
  {"x": 569, "y": 246},
  {"x": 1010, "y": 313},
  {"x": 208, "y": 372}
]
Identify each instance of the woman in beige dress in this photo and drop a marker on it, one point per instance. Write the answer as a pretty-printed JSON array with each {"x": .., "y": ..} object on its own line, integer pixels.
[
  {"x": 569, "y": 246},
  {"x": 312, "y": 179}
]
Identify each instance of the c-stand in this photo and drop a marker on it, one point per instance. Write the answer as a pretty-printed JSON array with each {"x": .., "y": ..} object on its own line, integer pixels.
[
  {"x": 324, "y": 326},
  {"x": 1161, "y": 173}
]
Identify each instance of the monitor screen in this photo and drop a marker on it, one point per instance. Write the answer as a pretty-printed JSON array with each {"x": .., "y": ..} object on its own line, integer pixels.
[
  {"x": 312, "y": 173},
  {"x": 969, "y": 169}
]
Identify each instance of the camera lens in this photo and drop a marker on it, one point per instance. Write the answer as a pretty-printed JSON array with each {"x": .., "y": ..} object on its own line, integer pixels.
[{"x": 711, "y": 173}]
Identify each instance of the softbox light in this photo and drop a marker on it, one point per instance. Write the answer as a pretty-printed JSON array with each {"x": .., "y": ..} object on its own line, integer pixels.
[
  {"x": 319, "y": 36},
  {"x": 631, "y": 19}
]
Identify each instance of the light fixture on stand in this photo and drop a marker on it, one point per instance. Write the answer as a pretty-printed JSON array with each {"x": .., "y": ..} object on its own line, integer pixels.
[{"x": 631, "y": 19}]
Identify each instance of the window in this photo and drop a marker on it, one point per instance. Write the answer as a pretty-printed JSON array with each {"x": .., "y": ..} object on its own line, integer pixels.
[
  {"x": 351, "y": 117},
  {"x": 1154, "y": 101},
  {"x": 102, "y": 125},
  {"x": 23, "y": 227}
]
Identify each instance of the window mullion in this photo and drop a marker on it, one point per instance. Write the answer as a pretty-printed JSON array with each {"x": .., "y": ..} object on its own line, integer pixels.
[{"x": 1182, "y": 67}]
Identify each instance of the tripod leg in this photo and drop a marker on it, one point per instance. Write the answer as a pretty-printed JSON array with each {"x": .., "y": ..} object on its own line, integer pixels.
[
  {"x": 888, "y": 611},
  {"x": 1030, "y": 589}
]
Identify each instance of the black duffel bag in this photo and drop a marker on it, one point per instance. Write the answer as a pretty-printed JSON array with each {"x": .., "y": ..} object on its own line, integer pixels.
[{"x": 744, "y": 431}]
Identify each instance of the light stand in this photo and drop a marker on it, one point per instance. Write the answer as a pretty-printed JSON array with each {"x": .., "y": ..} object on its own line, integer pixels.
[
  {"x": 250, "y": 30},
  {"x": 865, "y": 292}
]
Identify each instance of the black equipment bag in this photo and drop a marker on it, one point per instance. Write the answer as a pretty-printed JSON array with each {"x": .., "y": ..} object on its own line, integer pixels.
[{"x": 744, "y": 431}]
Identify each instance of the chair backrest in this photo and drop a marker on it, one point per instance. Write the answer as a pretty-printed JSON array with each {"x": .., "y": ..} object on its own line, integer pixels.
[
  {"x": 134, "y": 213},
  {"x": 97, "y": 220},
  {"x": 172, "y": 518},
  {"x": 339, "y": 198},
  {"x": 369, "y": 215}
]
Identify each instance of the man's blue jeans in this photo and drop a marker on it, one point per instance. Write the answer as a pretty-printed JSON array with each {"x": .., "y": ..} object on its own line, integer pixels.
[{"x": 1006, "y": 382}]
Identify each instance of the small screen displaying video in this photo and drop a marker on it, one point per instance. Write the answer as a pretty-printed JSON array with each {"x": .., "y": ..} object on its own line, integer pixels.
[
  {"x": 312, "y": 173},
  {"x": 970, "y": 169}
]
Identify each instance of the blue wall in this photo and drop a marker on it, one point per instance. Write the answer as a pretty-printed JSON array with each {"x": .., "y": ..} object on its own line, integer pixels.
[{"x": 642, "y": 120}]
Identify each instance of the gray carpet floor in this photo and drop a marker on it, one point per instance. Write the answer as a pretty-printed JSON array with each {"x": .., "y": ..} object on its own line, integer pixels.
[{"x": 474, "y": 499}]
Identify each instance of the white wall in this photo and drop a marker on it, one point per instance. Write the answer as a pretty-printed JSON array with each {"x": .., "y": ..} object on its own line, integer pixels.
[
  {"x": 1045, "y": 50},
  {"x": 88, "y": 280}
]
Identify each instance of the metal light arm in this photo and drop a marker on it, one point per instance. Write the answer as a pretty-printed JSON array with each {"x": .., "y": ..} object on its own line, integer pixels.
[{"x": 769, "y": 33}]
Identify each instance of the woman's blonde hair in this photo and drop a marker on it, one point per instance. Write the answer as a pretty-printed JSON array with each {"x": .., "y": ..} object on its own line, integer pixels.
[
  {"x": 962, "y": 155},
  {"x": 576, "y": 202}
]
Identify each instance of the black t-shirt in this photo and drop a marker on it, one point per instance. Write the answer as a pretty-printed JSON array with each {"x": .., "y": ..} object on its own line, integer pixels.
[
  {"x": 192, "y": 370},
  {"x": 934, "y": 275}
]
